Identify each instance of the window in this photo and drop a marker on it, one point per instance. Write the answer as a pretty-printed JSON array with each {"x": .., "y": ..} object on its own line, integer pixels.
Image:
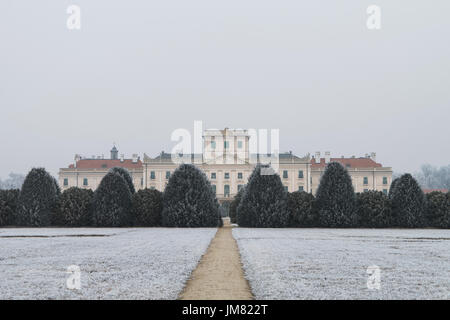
[
  {"x": 66, "y": 181},
  {"x": 213, "y": 144},
  {"x": 239, "y": 144},
  {"x": 285, "y": 174},
  {"x": 85, "y": 182},
  {"x": 226, "y": 144},
  {"x": 286, "y": 188},
  {"x": 300, "y": 174},
  {"x": 214, "y": 188},
  {"x": 300, "y": 188},
  {"x": 226, "y": 190},
  {"x": 239, "y": 175},
  {"x": 385, "y": 191},
  {"x": 366, "y": 180},
  {"x": 348, "y": 165},
  {"x": 227, "y": 175},
  {"x": 142, "y": 182},
  {"x": 152, "y": 187},
  {"x": 167, "y": 174},
  {"x": 385, "y": 181},
  {"x": 366, "y": 190},
  {"x": 104, "y": 166},
  {"x": 240, "y": 186},
  {"x": 213, "y": 175},
  {"x": 152, "y": 175}
]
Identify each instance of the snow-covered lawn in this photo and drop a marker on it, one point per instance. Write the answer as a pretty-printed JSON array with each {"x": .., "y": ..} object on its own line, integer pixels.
[
  {"x": 332, "y": 263},
  {"x": 117, "y": 263}
]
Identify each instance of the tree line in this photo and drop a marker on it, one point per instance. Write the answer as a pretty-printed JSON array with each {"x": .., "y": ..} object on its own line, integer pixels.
[
  {"x": 189, "y": 201},
  {"x": 265, "y": 203}
]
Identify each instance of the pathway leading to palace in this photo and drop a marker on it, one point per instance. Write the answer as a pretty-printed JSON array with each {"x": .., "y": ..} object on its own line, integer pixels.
[{"x": 219, "y": 275}]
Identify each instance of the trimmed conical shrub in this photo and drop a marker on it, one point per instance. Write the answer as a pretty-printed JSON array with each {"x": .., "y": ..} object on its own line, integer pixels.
[
  {"x": 300, "y": 207},
  {"x": 438, "y": 210},
  {"x": 392, "y": 187},
  {"x": 126, "y": 175},
  {"x": 408, "y": 203},
  {"x": 76, "y": 207},
  {"x": 264, "y": 202},
  {"x": 189, "y": 200},
  {"x": 335, "y": 198},
  {"x": 374, "y": 210},
  {"x": 8, "y": 206},
  {"x": 147, "y": 207},
  {"x": 112, "y": 202},
  {"x": 37, "y": 199}
]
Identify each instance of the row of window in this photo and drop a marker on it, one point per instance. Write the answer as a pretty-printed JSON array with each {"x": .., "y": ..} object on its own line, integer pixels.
[
  {"x": 366, "y": 180},
  {"x": 85, "y": 182},
  {"x": 226, "y": 189},
  {"x": 226, "y": 145},
  {"x": 226, "y": 175},
  {"x": 286, "y": 175},
  {"x": 153, "y": 175},
  {"x": 300, "y": 188},
  {"x": 385, "y": 191}
]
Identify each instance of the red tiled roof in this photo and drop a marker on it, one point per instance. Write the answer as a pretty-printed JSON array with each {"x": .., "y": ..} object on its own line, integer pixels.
[
  {"x": 431, "y": 190},
  {"x": 348, "y": 162},
  {"x": 107, "y": 164}
]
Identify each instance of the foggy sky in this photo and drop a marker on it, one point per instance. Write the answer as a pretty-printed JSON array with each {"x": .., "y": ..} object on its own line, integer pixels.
[{"x": 137, "y": 70}]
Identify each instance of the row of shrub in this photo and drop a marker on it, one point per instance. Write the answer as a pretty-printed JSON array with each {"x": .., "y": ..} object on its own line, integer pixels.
[
  {"x": 188, "y": 201},
  {"x": 265, "y": 203}
]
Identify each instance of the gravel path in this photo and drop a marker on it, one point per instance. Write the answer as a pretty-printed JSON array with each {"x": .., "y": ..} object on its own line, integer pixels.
[{"x": 219, "y": 275}]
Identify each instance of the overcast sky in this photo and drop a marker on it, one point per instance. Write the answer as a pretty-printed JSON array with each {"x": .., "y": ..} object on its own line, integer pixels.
[{"x": 137, "y": 70}]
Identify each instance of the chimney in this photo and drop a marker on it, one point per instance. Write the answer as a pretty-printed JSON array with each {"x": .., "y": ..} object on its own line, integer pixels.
[
  {"x": 317, "y": 157},
  {"x": 77, "y": 158},
  {"x": 327, "y": 156},
  {"x": 122, "y": 157},
  {"x": 135, "y": 158},
  {"x": 373, "y": 156}
]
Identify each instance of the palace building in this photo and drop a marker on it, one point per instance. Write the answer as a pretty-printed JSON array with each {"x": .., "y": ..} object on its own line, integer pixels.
[{"x": 227, "y": 162}]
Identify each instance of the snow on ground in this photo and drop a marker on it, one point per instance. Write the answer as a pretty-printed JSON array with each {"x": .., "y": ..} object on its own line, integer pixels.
[
  {"x": 332, "y": 263},
  {"x": 116, "y": 263}
]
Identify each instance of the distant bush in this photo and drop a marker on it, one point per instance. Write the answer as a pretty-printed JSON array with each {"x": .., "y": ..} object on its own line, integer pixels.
[
  {"x": 438, "y": 210},
  {"x": 76, "y": 207},
  {"x": 234, "y": 204},
  {"x": 264, "y": 202},
  {"x": 8, "y": 206},
  {"x": 112, "y": 202},
  {"x": 189, "y": 200},
  {"x": 335, "y": 199},
  {"x": 126, "y": 175},
  {"x": 408, "y": 203},
  {"x": 147, "y": 208},
  {"x": 38, "y": 199},
  {"x": 374, "y": 210},
  {"x": 300, "y": 207}
]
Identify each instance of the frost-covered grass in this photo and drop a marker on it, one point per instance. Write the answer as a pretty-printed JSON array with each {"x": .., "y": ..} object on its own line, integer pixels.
[
  {"x": 332, "y": 263},
  {"x": 117, "y": 263}
]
